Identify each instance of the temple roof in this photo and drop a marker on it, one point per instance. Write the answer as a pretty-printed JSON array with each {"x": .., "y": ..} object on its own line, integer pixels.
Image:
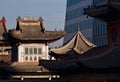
[
  {"x": 78, "y": 44},
  {"x": 107, "y": 12},
  {"x": 98, "y": 57},
  {"x": 61, "y": 64},
  {"x": 103, "y": 59},
  {"x": 33, "y": 30}
]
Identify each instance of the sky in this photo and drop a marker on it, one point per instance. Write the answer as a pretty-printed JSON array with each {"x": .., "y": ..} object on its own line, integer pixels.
[{"x": 52, "y": 12}]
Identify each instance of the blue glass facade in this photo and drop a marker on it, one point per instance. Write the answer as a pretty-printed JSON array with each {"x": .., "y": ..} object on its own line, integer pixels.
[
  {"x": 73, "y": 2},
  {"x": 92, "y": 29},
  {"x": 99, "y": 33},
  {"x": 100, "y": 28},
  {"x": 74, "y": 13}
]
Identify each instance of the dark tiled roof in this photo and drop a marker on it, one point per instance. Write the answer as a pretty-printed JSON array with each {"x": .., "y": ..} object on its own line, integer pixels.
[
  {"x": 79, "y": 44},
  {"x": 34, "y": 30},
  {"x": 61, "y": 64},
  {"x": 105, "y": 12},
  {"x": 98, "y": 58}
]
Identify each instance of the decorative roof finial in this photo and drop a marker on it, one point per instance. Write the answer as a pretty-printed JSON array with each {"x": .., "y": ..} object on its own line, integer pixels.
[
  {"x": 24, "y": 18},
  {"x": 19, "y": 18},
  {"x": 34, "y": 18},
  {"x": 3, "y": 18},
  {"x": 78, "y": 28},
  {"x": 41, "y": 19},
  {"x": 29, "y": 17},
  {"x": 41, "y": 24}
]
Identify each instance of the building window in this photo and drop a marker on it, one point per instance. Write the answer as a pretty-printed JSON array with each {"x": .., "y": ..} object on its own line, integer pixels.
[
  {"x": 39, "y": 51},
  {"x": 31, "y": 51},
  {"x": 26, "y": 58},
  {"x": 35, "y": 50},
  {"x": 39, "y": 58},
  {"x": 26, "y": 51},
  {"x": 35, "y": 58},
  {"x": 30, "y": 58}
]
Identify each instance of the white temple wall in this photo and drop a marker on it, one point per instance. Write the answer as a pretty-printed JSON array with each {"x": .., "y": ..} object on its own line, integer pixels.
[{"x": 32, "y": 52}]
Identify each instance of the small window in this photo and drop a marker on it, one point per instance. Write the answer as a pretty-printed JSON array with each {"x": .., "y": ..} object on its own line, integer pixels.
[
  {"x": 35, "y": 58},
  {"x": 26, "y": 58},
  {"x": 30, "y": 58},
  {"x": 39, "y": 51},
  {"x": 39, "y": 58},
  {"x": 35, "y": 50},
  {"x": 26, "y": 51},
  {"x": 31, "y": 51}
]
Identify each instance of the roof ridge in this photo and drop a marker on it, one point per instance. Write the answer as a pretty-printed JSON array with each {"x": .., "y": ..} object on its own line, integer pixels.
[{"x": 86, "y": 40}]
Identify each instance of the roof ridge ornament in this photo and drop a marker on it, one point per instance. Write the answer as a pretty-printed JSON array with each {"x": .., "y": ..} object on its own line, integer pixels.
[
  {"x": 3, "y": 18},
  {"x": 29, "y": 17},
  {"x": 34, "y": 18},
  {"x": 24, "y": 18},
  {"x": 41, "y": 24},
  {"x": 41, "y": 19},
  {"x": 19, "y": 18},
  {"x": 78, "y": 28}
]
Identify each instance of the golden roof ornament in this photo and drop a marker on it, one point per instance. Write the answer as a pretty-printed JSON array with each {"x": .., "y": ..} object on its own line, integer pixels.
[
  {"x": 29, "y": 17},
  {"x": 24, "y": 18},
  {"x": 34, "y": 18}
]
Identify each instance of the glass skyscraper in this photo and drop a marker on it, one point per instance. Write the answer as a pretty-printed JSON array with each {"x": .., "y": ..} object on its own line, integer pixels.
[{"x": 93, "y": 29}]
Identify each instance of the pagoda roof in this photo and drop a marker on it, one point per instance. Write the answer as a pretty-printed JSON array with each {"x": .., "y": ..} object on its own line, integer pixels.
[
  {"x": 33, "y": 30},
  {"x": 61, "y": 64},
  {"x": 107, "y": 12},
  {"x": 103, "y": 59},
  {"x": 78, "y": 44},
  {"x": 65, "y": 67}
]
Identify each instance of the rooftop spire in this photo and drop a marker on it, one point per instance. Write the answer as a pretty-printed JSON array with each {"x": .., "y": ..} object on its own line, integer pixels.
[
  {"x": 41, "y": 23},
  {"x": 78, "y": 28}
]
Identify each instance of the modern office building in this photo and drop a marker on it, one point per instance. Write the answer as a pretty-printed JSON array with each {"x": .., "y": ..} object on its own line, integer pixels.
[{"x": 93, "y": 29}]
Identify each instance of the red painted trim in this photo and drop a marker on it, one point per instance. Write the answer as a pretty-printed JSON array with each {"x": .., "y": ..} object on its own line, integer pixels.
[{"x": 111, "y": 29}]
